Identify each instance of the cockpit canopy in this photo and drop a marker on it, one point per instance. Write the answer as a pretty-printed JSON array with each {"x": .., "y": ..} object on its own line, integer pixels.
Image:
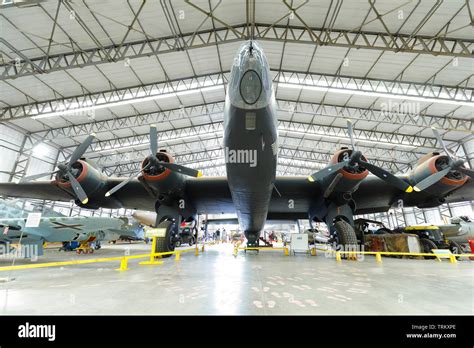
[{"x": 250, "y": 85}]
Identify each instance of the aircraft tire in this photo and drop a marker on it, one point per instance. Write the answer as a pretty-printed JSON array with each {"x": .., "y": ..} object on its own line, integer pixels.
[
  {"x": 346, "y": 235},
  {"x": 427, "y": 246},
  {"x": 165, "y": 244}
]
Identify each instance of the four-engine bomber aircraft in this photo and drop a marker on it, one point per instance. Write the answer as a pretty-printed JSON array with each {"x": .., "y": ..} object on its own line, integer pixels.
[{"x": 332, "y": 195}]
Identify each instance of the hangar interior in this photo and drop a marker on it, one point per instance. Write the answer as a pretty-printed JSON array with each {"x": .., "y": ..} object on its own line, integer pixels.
[{"x": 114, "y": 68}]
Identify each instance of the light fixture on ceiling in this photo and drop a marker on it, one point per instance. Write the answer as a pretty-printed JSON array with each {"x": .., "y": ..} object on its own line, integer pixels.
[
  {"x": 165, "y": 141},
  {"x": 343, "y": 90},
  {"x": 342, "y": 138},
  {"x": 82, "y": 110},
  {"x": 20, "y": 3}
]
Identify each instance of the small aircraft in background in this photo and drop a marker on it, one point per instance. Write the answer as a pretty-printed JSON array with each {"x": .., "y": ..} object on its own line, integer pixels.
[
  {"x": 14, "y": 230},
  {"x": 461, "y": 229}
]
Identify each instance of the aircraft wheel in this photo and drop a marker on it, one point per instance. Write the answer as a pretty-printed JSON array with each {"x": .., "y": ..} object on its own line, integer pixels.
[
  {"x": 166, "y": 243},
  {"x": 346, "y": 236},
  {"x": 427, "y": 245}
]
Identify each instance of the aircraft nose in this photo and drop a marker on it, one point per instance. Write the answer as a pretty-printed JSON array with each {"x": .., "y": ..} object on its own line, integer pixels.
[
  {"x": 251, "y": 48},
  {"x": 250, "y": 85}
]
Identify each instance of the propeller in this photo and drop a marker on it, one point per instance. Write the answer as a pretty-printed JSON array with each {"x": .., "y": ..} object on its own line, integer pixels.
[
  {"x": 65, "y": 170},
  {"x": 357, "y": 160},
  {"x": 453, "y": 164},
  {"x": 153, "y": 161}
]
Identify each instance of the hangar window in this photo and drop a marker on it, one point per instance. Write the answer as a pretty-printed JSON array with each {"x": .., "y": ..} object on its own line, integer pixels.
[
  {"x": 250, "y": 87},
  {"x": 250, "y": 121}
]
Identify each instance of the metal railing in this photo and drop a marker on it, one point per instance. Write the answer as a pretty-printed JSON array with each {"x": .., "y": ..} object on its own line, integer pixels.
[
  {"x": 123, "y": 260},
  {"x": 378, "y": 254}
]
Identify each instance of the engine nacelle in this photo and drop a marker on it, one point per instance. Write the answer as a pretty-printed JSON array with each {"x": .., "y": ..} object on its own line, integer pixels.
[
  {"x": 431, "y": 164},
  {"x": 165, "y": 183},
  {"x": 350, "y": 180},
  {"x": 93, "y": 183}
]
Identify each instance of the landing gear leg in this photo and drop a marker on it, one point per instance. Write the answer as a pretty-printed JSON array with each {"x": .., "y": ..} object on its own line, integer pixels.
[
  {"x": 169, "y": 220},
  {"x": 341, "y": 225}
]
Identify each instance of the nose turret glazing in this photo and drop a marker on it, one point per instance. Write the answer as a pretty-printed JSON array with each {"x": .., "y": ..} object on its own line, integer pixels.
[{"x": 250, "y": 84}]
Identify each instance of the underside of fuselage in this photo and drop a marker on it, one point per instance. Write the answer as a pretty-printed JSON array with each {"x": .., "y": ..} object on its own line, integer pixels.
[
  {"x": 251, "y": 167},
  {"x": 250, "y": 138}
]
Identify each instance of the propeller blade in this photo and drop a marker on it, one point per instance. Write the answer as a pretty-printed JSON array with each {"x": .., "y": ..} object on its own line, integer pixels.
[
  {"x": 468, "y": 172},
  {"x": 37, "y": 176},
  {"x": 125, "y": 182},
  {"x": 350, "y": 130},
  {"x": 153, "y": 141},
  {"x": 441, "y": 142},
  {"x": 181, "y": 169},
  {"x": 81, "y": 149},
  {"x": 431, "y": 180},
  {"x": 326, "y": 171},
  {"x": 78, "y": 190},
  {"x": 119, "y": 186},
  {"x": 387, "y": 176}
]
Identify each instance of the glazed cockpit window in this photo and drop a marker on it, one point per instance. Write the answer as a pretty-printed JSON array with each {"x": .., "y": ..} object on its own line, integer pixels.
[{"x": 250, "y": 87}]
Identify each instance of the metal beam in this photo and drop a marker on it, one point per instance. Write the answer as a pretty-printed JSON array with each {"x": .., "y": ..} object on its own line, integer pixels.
[
  {"x": 123, "y": 163},
  {"x": 82, "y": 104},
  {"x": 285, "y": 107},
  {"x": 395, "y": 42},
  {"x": 85, "y": 103},
  {"x": 362, "y": 136},
  {"x": 216, "y": 167},
  {"x": 376, "y": 87},
  {"x": 207, "y": 137}
]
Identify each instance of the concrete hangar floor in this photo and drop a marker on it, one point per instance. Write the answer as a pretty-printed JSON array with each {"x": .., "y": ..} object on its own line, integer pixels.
[{"x": 216, "y": 282}]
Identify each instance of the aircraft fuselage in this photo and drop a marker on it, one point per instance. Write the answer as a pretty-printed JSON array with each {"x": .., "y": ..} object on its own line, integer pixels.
[{"x": 250, "y": 138}]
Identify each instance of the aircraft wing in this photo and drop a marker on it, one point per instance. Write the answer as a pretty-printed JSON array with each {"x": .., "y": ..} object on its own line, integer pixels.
[
  {"x": 292, "y": 196},
  {"x": 35, "y": 189},
  {"x": 133, "y": 195},
  {"x": 374, "y": 195},
  {"x": 465, "y": 193}
]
